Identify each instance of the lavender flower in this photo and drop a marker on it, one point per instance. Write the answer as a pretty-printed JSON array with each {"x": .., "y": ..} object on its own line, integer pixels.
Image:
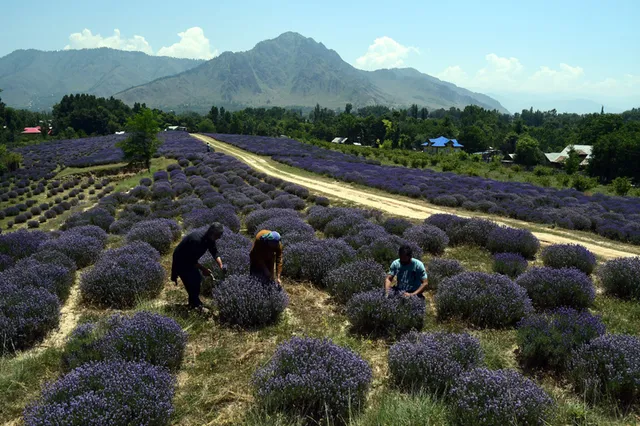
[
  {"x": 429, "y": 238},
  {"x": 550, "y": 288},
  {"x": 511, "y": 240},
  {"x": 569, "y": 256},
  {"x": 440, "y": 269},
  {"x": 621, "y": 277},
  {"x": 433, "y": 361},
  {"x": 375, "y": 313},
  {"x": 313, "y": 378},
  {"x": 354, "y": 277},
  {"x": 509, "y": 264}
]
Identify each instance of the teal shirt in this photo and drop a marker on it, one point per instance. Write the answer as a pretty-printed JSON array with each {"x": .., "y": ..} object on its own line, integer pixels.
[{"x": 409, "y": 276}]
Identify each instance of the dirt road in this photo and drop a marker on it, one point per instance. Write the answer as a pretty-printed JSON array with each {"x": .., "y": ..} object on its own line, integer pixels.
[{"x": 407, "y": 207}]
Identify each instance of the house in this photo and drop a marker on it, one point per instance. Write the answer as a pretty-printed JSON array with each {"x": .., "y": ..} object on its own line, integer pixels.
[
  {"x": 339, "y": 140},
  {"x": 175, "y": 129},
  {"x": 558, "y": 158},
  {"x": 488, "y": 155},
  {"x": 34, "y": 131},
  {"x": 441, "y": 144}
]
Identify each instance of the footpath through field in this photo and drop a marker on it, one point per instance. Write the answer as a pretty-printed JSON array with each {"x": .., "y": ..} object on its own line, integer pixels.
[{"x": 404, "y": 206}]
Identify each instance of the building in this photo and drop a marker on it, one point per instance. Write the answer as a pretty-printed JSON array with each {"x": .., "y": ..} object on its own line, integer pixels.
[
  {"x": 441, "y": 144},
  {"x": 558, "y": 158},
  {"x": 340, "y": 140},
  {"x": 34, "y": 131},
  {"x": 488, "y": 155},
  {"x": 175, "y": 129}
]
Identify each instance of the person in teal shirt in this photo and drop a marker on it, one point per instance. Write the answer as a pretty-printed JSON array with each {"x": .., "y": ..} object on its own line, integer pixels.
[{"x": 409, "y": 272}]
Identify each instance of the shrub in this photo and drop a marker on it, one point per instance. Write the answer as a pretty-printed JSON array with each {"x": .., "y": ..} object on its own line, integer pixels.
[
  {"x": 248, "y": 302},
  {"x": 146, "y": 182},
  {"x": 433, "y": 361},
  {"x": 287, "y": 226},
  {"x": 509, "y": 264},
  {"x": 341, "y": 225},
  {"x": 313, "y": 260},
  {"x": 204, "y": 217},
  {"x": 384, "y": 249},
  {"x": 396, "y": 226},
  {"x": 144, "y": 336},
  {"x": 99, "y": 393},
  {"x": 83, "y": 250},
  {"x": 355, "y": 277},
  {"x": 620, "y": 277},
  {"x": 440, "y": 269},
  {"x": 32, "y": 224},
  {"x": 550, "y": 288},
  {"x": 21, "y": 243},
  {"x": 91, "y": 231},
  {"x": 57, "y": 258},
  {"x": 548, "y": 339},
  {"x": 27, "y": 314},
  {"x": 569, "y": 256},
  {"x": 374, "y": 313},
  {"x": 154, "y": 232},
  {"x": 511, "y": 240},
  {"x": 500, "y": 397},
  {"x": 484, "y": 300},
  {"x": 608, "y": 367},
  {"x": 313, "y": 378},
  {"x": 29, "y": 272},
  {"x": 322, "y": 201},
  {"x": 429, "y": 238},
  {"x": 96, "y": 216},
  {"x": 21, "y": 218},
  {"x": 123, "y": 276},
  {"x": 6, "y": 262}
]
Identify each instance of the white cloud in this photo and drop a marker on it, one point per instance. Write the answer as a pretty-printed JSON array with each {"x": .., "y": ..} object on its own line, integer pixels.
[
  {"x": 87, "y": 40},
  {"x": 385, "y": 52},
  {"x": 193, "y": 44},
  {"x": 502, "y": 74}
]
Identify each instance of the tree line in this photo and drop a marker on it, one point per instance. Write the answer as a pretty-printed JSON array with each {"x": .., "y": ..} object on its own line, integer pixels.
[{"x": 615, "y": 137}]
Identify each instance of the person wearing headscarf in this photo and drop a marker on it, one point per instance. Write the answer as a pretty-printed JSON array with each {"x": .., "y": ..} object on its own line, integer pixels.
[{"x": 266, "y": 256}]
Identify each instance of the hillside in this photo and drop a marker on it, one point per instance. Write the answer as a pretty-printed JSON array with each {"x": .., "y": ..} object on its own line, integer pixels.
[
  {"x": 36, "y": 80},
  {"x": 292, "y": 70}
]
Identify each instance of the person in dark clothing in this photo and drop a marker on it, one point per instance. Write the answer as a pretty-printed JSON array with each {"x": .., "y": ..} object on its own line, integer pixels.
[{"x": 186, "y": 258}]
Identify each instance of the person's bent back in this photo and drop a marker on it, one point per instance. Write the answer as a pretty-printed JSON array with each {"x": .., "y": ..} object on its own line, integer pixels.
[{"x": 266, "y": 256}]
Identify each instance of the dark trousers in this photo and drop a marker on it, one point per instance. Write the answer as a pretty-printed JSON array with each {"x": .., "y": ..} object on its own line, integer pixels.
[{"x": 191, "y": 279}]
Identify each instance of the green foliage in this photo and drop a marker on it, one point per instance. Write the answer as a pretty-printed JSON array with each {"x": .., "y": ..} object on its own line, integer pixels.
[
  {"x": 143, "y": 143},
  {"x": 583, "y": 183},
  {"x": 206, "y": 126},
  {"x": 90, "y": 115},
  {"x": 621, "y": 185},
  {"x": 572, "y": 164},
  {"x": 542, "y": 171},
  {"x": 617, "y": 153},
  {"x": 528, "y": 151}
]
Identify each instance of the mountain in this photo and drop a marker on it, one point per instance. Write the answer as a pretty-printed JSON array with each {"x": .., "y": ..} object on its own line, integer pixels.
[
  {"x": 516, "y": 102},
  {"x": 292, "y": 70},
  {"x": 36, "y": 80}
]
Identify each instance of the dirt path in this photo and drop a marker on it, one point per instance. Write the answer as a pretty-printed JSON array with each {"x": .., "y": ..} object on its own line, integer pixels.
[{"x": 404, "y": 206}]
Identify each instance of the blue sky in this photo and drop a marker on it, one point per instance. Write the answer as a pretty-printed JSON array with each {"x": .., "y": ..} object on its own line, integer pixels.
[{"x": 562, "y": 48}]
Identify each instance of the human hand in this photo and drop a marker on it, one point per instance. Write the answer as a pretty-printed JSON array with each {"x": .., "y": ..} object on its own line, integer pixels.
[
  {"x": 207, "y": 272},
  {"x": 407, "y": 295}
]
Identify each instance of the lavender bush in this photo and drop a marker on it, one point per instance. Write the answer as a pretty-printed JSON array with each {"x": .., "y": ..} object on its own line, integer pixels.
[
  {"x": 98, "y": 216},
  {"x": 99, "y": 393},
  {"x": 313, "y": 378},
  {"x": 429, "y": 238},
  {"x": 123, "y": 276},
  {"x": 384, "y": 249},
  {"x": 203, "y": 217},
  {"x": 30, "y": 272},
  {"x": 144, "y": 336},
  {"x": 621, "y": 277},
  {"x": 313, "y": 260},
  {"x": 608, "y": 367},
  {"x": 155, "y": 232},
  {"x": 92, "y": 231},
  {"x": 569, "y": 256},
  {"x": 354, "y": 277},
  {"x": 511, "y": 240},
  {"x": 484, "y": 300},
  {"x": 248, "y": 302},
  {"x": 509, "y": 264},
  {"x": 396, "y": 226},
  {"x": 27, "y": 314},
  {"x": 6, "y": 262},
  {"x": 83, "y": 250},
  {"x": 547, "y": 340},
  {"x": 439, "y": 269},
  {"x": 254, "y": 219},
  {"x": 551, "y": 288},
  {"x": 500, "y": 397},
  {"x": 433, "y": 361},
  {"x": 374, "y": 313},
  {"x": 22, "y": 243}
]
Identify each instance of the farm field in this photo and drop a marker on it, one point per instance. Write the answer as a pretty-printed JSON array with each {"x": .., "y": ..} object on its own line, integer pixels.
[{"x": 100, "y": 283}]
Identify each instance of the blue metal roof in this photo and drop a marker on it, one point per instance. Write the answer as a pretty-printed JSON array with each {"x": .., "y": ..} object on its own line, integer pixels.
[{"x": 441, "y": 142}]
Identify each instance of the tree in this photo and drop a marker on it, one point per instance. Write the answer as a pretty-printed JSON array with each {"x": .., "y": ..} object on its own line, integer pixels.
[
  {"x": 348, "y": 108},
  {"x": 142, "y": 143},
  {"x": 572, "y": 164},
  {"x": 528, "y": 151},
  {"x": 424, "y": 113},
  {"x": 206, "y": 126},
  {"x": 213, "y": 115},
  {"x": 621, "y": 185},
  {"x": 413, "y": 111},
  {"x": 473, "y": 139}
]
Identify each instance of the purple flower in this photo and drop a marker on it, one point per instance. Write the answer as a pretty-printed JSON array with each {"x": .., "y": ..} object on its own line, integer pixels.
[
  {"x": 156, "y": 232},
  {"x": 248, "y": 302},
  {"x": 500, "y": 397},
  {"x": 551, "y": 288},
  {"x": 83, "y": 250},
  {"x": 313, "y": 378},
  {"x": 312, "y": 260},
  {"x": 375, "y": 313},
  {"x": 428, "y": 237},
  {"x": 354, "y": 277},
  {"x": 396, "y": 225},
  {"x": 433, "y": 361},
  {"x": 484, "y": 300},
  {"x": 547, "y": 339},
  {"x": 569, "y": 256},
  {"x": 621, "y": 277},
  {"x": 21, "y": 244},
  {"x": 509, "y": 264},
  {"x": 440, "y": 269},
  {"x": 101, "y": 393},
  {"x": 511, "y": 240}
]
